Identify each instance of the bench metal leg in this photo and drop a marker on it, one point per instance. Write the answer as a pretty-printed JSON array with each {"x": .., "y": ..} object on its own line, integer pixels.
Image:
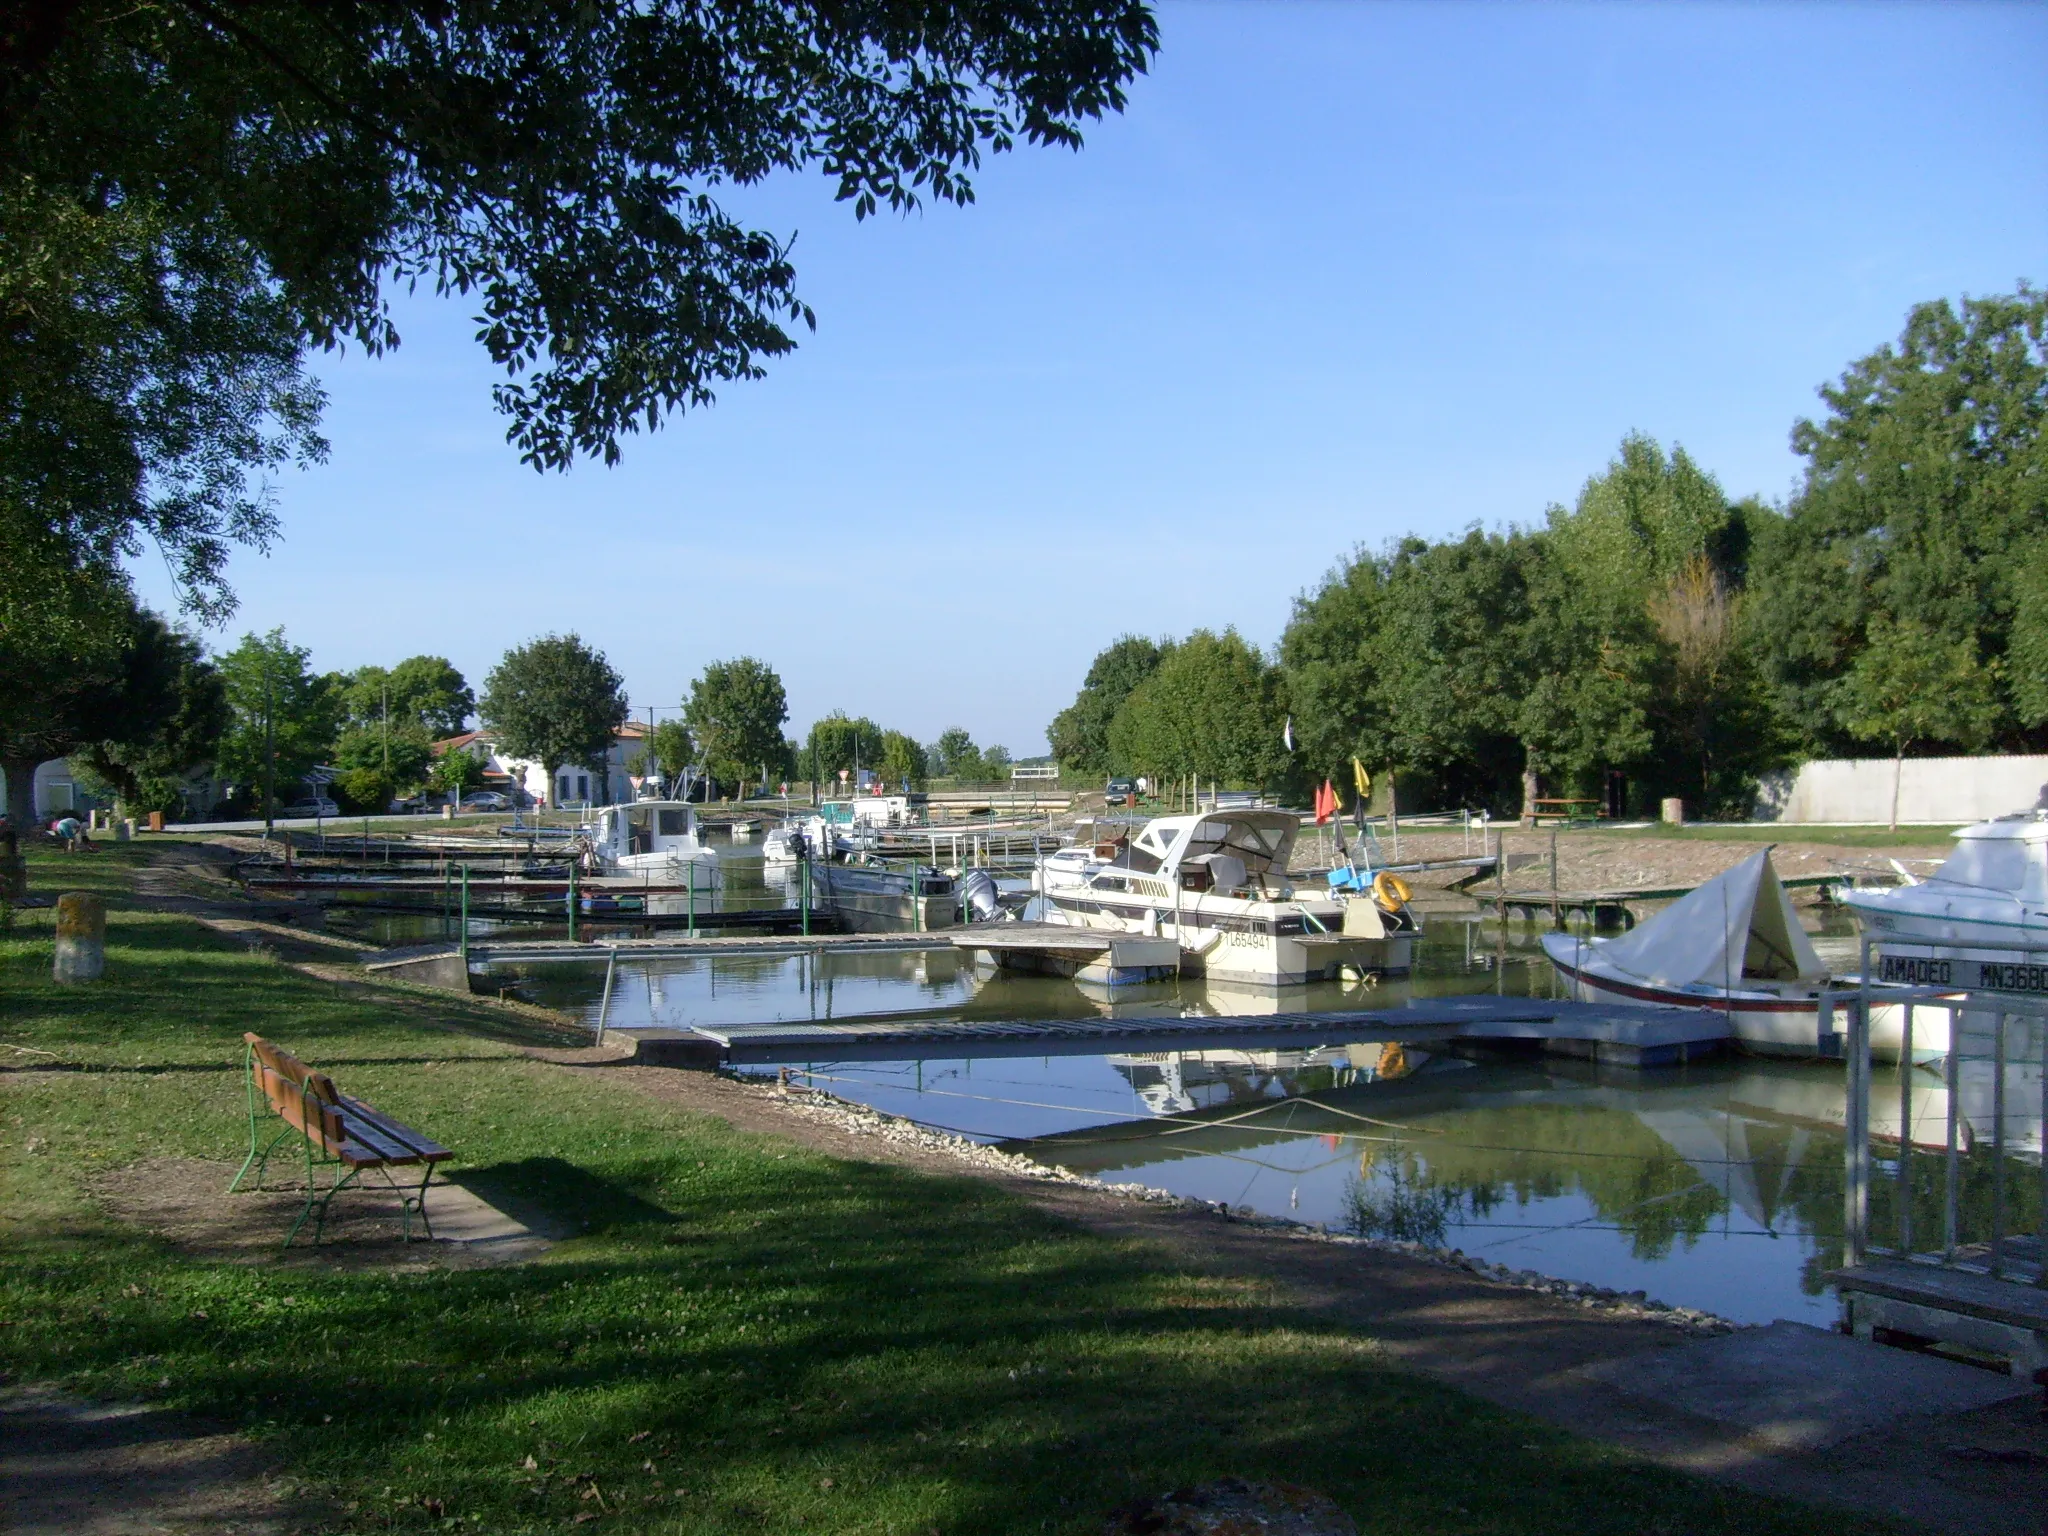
[
  {"x": 316, "y": 1201},
  {"x": 261, "y": 1159},
  {"x": 411, "y": 1200}
]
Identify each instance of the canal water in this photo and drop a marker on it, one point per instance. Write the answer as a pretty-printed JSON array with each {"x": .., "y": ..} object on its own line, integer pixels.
[{"x": 1717, "y": 1185}]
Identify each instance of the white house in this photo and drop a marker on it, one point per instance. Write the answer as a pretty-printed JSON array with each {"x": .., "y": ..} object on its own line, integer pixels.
[{"x": 606, "y": 783}]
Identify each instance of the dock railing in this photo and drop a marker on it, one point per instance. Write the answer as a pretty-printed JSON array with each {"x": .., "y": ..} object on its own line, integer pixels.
[{"x": 1950, "y": 1243}]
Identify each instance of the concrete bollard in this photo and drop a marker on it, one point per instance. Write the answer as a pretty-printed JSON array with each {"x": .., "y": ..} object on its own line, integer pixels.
[
  {"x": 81, "y": 937},
  {"x": 1674, "y": 813}
]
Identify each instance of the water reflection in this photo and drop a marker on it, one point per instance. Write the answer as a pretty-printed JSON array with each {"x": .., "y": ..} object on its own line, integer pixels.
[{"x": 1716, "y": 1186}]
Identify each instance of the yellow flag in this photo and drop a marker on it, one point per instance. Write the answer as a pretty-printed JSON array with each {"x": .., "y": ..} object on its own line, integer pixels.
[{"x": 1362, "y": 779}]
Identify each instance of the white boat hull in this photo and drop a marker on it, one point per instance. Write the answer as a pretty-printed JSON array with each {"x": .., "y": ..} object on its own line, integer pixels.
[{"x": 1232, "y": 947}]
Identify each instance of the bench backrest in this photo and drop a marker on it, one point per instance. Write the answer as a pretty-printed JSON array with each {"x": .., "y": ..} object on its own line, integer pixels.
[{"x": 305, "y": 1098}]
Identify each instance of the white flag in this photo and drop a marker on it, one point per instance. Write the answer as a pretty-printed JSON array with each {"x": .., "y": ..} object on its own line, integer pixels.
[{"x": 1287, "y": 733}]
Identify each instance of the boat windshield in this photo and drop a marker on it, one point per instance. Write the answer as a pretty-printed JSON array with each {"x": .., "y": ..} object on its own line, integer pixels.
[{"x": 1990, "y": 863}]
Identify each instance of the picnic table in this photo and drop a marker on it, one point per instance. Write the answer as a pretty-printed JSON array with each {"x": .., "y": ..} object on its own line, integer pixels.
[
  {"x": 1571, "y": 812},
  {"x": 340, "y": 1133}
]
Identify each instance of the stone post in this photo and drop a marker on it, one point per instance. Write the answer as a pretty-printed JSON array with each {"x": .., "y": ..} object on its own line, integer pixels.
[
  {"x": 81, "y": 937},
  {"x": 1674, "y": 813}
]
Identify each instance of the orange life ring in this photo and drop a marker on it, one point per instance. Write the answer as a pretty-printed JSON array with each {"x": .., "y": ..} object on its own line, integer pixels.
[{"x": 1390, "y": 891}]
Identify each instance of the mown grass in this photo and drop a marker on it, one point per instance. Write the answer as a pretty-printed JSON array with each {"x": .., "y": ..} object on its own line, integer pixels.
[{"x": 741, "y": 1336}]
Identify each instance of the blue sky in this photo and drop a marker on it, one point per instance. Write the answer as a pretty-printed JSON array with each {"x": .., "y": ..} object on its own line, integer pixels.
[{"x": 1341, "y": 272}]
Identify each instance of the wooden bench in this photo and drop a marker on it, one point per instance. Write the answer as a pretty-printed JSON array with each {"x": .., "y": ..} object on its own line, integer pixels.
[{"x": 339, "y": 1132}]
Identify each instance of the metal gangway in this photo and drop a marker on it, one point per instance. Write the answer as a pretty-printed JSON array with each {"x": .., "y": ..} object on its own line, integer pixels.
[{"x": 1948, "y": 1259}]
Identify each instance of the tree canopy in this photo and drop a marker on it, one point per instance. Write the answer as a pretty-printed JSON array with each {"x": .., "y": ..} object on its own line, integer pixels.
[
  {"x": 736, "y": 710},
  {"x": 425, "y": 691},
  {"x": 283, "y": 716},
  {"x": 554, "y": 700},
  {"x": 1213, "y": 706},
  {"x": 1079, "y": 734},
  {"x": 1925, "y": 500},
  {"x": 189, "y": 192}
]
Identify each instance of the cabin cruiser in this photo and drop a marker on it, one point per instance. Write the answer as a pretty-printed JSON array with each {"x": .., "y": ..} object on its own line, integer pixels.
[
  {"x": 652, "y": 839},
  {"x": 1735, "y": 946},
  {"x": 1217, "y": 882},
  {"x": 1992, "y": 890}
]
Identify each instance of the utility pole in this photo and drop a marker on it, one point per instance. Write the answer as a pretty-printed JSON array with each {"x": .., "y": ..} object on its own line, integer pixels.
[
  {"x": 387, "y": 729},
  {"x": 269, "y": 746}
]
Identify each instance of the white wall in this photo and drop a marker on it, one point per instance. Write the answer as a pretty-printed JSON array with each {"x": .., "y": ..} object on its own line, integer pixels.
[{"x": 1931, "y": 789}]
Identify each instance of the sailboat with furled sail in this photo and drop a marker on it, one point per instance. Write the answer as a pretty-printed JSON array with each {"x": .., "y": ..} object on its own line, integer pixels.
[{"x": 1735, "y": 946}]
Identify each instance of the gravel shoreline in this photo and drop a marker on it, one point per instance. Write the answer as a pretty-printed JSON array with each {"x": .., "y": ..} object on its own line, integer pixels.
[{"x": 860, "y": 1120}]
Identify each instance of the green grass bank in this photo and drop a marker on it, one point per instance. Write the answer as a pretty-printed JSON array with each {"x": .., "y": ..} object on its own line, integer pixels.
[{"x": 740, "y": 1336}]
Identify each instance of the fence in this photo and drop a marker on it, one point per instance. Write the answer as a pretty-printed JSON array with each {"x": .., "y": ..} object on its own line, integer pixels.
[{"x": 1944, "y": 1263}]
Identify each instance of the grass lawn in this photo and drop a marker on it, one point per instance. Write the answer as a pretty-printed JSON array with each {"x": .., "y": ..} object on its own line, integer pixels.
[{"x": 744, "y": 1337}]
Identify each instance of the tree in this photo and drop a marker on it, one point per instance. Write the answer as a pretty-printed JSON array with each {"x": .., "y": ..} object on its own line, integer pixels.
[
  {"x": 426, "y": 691},
  {"x": 456, "y": 772},
  {"x": 85, "y": 670},
  {"x": 1924, "y": 496},
  {"x": 902, "y": 761},
  {"x": 954, "y": 755},
  {"x": 403, "y": 753},
  {"x": 671, "y": 748},
  {"x": 736, "y": 710},
  {"x": 64, "y": 633},
  {"x": 173, "y": 713},
  {"x": 839, "y": 741},
  {"x": 1079, "y": 734},
  {"x": 1911, "y": 684},
  {"x": 1214, "y": 707},
  {"x": 283, "y": 716},
  {"x": 556, "y": 701},
  {"x": 151, "y": 377},
  {"x": 559, "y": 165}
]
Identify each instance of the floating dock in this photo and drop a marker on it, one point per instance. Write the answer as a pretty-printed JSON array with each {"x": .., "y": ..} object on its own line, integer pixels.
[{"x": 1630, "y": 1037}]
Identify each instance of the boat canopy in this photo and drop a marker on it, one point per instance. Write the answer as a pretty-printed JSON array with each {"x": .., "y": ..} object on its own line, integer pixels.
[
  {"x": 1739, "y": 925},
  {"x": 1263, "y": 840}
]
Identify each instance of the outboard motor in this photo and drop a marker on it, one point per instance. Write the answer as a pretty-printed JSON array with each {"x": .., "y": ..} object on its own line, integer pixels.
[{"x": 978, "y": 896}]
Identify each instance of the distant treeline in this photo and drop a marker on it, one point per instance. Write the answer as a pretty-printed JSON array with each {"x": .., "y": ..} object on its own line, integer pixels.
[{"x": 1658, "y": 639}]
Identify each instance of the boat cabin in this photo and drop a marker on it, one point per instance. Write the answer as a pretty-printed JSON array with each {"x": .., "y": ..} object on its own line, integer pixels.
[
  {"x": 1231, "y": 852},
  {"x": 646, "y": 828},
  {"x": 2008, "y": 856},
  {"x": 910, "y": 810}
]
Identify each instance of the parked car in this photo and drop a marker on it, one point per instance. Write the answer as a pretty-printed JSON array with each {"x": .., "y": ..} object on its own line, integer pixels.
[
  {"x": 321, "y": 806},
  {"x": 487, "y": 800},
  {"x": 1121, "y": 792}
]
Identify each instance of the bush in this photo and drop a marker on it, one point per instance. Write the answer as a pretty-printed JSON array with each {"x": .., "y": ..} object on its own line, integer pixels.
[{"x": 364, "y": 791}]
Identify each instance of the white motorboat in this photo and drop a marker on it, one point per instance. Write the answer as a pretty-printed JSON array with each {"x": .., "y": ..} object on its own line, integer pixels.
[
  {"x": 653, "y": 839},
  {"x": 743, "y": 831},
  {"x": 1992, "y": 890},
  {"x": 1217, "y": 882},
  {"x": 1735, "y": 946}
]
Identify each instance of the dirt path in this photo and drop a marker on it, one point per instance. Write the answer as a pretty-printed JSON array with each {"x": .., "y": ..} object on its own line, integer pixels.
[
  {"x": 73, "y": 1468},
  {"x": 1985, "y": 1473}
]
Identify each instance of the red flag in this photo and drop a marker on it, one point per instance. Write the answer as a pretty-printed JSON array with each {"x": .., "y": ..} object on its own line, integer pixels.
[{"x": 1326, "y": 803}]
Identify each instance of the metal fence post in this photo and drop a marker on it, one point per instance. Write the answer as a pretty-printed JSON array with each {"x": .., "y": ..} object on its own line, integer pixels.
[
  {"x": 1906, "y": 1132},
  {"x": 465, "y": 914},
  {"x": 1998, "y": 1148},
  {"x": 572, "y": 900},
  {"x": 803, "y": 894},
  {"x": 604, "y": 1007},
  {"x": 690, "y": 869}
]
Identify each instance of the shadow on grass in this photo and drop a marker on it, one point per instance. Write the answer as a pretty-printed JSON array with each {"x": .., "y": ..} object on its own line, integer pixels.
[{"x": 802, "y": 1343}]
